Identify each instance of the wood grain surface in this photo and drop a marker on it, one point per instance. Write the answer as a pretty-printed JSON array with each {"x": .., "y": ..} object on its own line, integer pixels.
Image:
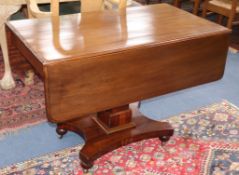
[
  {"x": 100, "y": 60},
  {"x": 94, "y": 33}
]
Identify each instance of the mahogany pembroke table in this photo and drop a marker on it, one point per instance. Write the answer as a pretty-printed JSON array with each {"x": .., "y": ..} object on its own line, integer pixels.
[{"x": 95, "y": 64}]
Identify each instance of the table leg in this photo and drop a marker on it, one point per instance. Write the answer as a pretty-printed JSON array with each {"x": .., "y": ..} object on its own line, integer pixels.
[
  {"x": 196, "y": 6},
  {"x": 7, "y": 82},
  {"x": 111, "y": 129},
  {"x": 177, "y": 3}
]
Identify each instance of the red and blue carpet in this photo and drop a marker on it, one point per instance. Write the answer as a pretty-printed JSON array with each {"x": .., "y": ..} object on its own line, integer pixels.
[
  {"x": 206, "y": 142},
  {"x": 21, "y": 106}
]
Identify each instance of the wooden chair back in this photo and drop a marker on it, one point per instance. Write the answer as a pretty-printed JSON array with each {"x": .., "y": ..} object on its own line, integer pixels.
[
  {"x": 224, "y": 8},
  {"x": 86, "y": 6}
]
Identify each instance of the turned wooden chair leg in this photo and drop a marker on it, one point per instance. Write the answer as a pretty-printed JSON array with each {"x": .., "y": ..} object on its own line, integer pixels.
[
  {"x": 7, "y": 82},
  {"x": 177, "y": 3},
  {"x": 204, "y": 13},
  {"x": 230, "y": 20},
  {"x": 196, "y": 6},
  {"x": 232, "y": 13}
]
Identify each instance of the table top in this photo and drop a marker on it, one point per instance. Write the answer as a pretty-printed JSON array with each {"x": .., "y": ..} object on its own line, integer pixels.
[
  {"x": 100, "y": 60},
  {"x": 90, "y": 34}
]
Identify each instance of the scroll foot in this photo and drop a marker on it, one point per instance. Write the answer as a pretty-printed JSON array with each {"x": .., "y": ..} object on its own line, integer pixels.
[
  {"x": 85, "y": 170},
  {"x": 164, "y": 139},
  {"x": 86, "y": 166},
  {"x": 61, "y": 132}
]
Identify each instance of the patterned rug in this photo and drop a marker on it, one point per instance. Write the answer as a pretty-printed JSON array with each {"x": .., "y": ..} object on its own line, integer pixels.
[
  {"x": 21, "y": 106},
  {"x": 206, "y": 142}
]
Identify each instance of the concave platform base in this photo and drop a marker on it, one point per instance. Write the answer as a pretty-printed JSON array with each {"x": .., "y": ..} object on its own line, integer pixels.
[{"x": 98, "y": 141}]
